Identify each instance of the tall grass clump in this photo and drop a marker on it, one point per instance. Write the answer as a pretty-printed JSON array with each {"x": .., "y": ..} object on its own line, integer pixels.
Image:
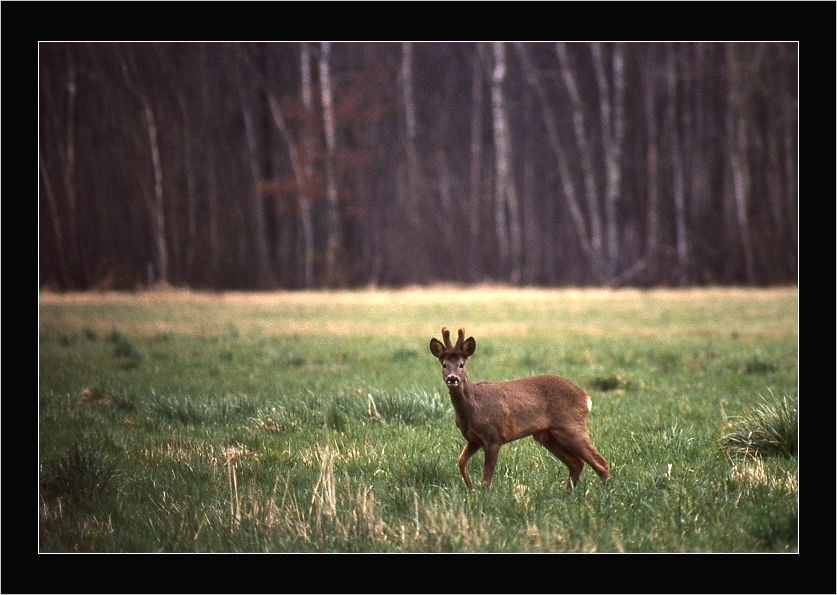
[
  {"x": 78, "y": 476},
  {"x": 771, "y": 428},
  {"x": 409, "y": 407}
]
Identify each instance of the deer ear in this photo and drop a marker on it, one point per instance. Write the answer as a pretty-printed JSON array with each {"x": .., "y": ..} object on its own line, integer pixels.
[
  {"x": 469, "y": 346},
  {"x": 436, "y": 347}
]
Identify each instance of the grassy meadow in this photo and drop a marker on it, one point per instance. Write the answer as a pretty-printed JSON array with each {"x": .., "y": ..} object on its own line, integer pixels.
[{"x": 174, "y": 421}]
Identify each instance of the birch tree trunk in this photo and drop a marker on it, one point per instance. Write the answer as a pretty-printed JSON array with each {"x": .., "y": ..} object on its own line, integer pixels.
[
  {"x": 783, "y": 158},
  {"x": 52, "y": 202},
  {"x": 69, "y": 169},
  {"x": 157, "y": 208},
  {"x": 774, "y": 178},
  {"x": 506, "y": 202},
  {"x": 191, "y": 186},
  {"x": 414, "y": 176},
  {"x": 264, "y": 276},
  {"x": 62, "y": 133},
  {"x": 212, "y": 193},
  {"x": 677, "y": 171},
  {"x": 308, "y": 150},
  {"x": 652, "y": 252},
  {"x": 500, "y": 165},
  {"x": 446, "y": 174},
  {"x": 533, "y": 244},
  {"x": 789, "y": 138},
  {"x": 476, "y": 185},
  {"x": 334, "y": 240},
  {"x": 694, "y": 128},
  {"x": 613, "y": 130},
  {"x": 738, "y": 155},
  {"x": 159, "y": 275}
]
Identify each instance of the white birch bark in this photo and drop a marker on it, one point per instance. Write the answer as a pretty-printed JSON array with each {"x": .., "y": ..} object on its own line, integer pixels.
[
  {"x": 415, "y": 182},
  {"x": 613, "y": 130},
  {"x": 154, "y": 199},
  {"x": 157, "y": 207},
  {"x": 676, "y": 152},
  {"x": 334, "y": 239},
  {"x": 476, "y": 185},
  {"x": 738, "y": 156},
  {"x": 507, "y": 210},
  {"x": 309, "y": 147},
  {"x": 500, "y": 163}
]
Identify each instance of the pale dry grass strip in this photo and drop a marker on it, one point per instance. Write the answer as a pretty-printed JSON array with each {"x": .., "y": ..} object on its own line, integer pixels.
[
  {"x": 489, "y": 311},
  {"x": 434, "y": 293}
]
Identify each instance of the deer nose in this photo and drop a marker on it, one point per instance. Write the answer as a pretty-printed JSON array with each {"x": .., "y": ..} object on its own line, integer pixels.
[{"x": 452, "y": 380}]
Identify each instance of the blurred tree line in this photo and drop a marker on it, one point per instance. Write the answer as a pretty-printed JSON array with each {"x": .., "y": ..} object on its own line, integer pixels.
[{"x": 290, "y": 165}]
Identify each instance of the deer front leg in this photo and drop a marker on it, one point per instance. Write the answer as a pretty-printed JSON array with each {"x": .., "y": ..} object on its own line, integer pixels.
[
  {"x": 467, "y": 453},
  {"x": 492, "y": 451}
]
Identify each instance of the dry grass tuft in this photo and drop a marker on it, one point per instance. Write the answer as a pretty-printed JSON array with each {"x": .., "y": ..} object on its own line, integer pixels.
[{"x": 751, "y": 471}]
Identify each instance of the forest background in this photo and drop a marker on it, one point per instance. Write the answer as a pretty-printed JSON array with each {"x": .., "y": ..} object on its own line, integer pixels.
[{"x": 304, "y": 165}]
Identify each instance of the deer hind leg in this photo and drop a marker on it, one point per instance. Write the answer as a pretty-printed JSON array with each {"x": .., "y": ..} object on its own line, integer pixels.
[
  {"x": 585, "y": 450},
  {"x": 574, "y": 463},
  {"x": 599, "y": 463},
  {"x": 465, "y": 455}
]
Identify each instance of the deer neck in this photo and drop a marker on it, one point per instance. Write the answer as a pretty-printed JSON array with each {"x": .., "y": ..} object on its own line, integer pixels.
[
  {"x": 460, "y": 394},
  {"x": 463, "y": 400}
]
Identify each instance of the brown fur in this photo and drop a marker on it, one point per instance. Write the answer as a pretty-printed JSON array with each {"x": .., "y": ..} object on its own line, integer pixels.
[{"x": 489, "y": 414}]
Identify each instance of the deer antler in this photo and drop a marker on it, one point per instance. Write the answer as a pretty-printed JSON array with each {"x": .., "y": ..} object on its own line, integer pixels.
[
  {"x": 460, "y": 340},
  {"x": 446, "y": 337}
]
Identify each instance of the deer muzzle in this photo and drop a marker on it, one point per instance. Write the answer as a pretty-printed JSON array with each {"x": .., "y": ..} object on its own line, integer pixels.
[{"x": 452, "y": 380}]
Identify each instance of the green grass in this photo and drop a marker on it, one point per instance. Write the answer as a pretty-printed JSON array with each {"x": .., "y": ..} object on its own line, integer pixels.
[{"x": 297, "y": 422}]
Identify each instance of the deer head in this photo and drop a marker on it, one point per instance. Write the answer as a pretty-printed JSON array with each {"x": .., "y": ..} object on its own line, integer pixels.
[{"x": 453, "y": 357}]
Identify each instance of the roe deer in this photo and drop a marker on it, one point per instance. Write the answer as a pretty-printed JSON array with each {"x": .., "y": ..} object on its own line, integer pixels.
[{"x": 489, "y": 414}]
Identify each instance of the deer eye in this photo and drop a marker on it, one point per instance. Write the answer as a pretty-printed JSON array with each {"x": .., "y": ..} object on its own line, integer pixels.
[{"x": 461, "y": 366}]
